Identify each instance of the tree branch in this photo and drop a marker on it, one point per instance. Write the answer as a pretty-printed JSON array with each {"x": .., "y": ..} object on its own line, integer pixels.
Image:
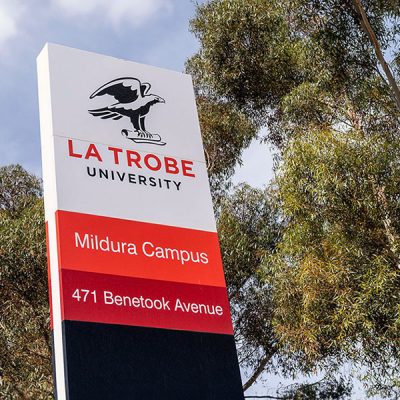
[
  {"x": 372, "y": 37},
  {"x": 259, "y": 370}
]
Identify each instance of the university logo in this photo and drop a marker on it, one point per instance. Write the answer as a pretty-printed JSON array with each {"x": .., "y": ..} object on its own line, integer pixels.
[{"x": 133, "y": 101}]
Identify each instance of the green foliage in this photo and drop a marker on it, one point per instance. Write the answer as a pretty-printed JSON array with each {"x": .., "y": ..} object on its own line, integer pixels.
[
  {"x": 247, "y": 55},
  {"x": 337, "y": 271},
  {"x": 311, "y": 71},
  {"x": 225, "y": 132},
  {"x": 296, "y": 64},
  {"x": 328, "y": 388},
  {"x": 18, "y": 189},
  {"x": 248, "y": 231},
  {"x": 25, "y": 353}
]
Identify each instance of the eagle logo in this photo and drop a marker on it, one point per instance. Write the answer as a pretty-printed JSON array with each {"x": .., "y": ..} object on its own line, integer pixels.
[{"x": 133, "y": 101}]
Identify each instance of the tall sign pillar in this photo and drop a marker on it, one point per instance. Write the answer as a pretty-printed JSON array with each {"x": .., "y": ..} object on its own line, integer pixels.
[{"x": 138, "y": 296}]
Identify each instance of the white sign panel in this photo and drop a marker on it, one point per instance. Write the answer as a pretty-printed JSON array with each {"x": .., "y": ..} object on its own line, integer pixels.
[{"x": 134, "y": 257}]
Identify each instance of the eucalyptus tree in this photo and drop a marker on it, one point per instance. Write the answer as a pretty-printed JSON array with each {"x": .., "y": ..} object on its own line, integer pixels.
[
  {"x": 25, "y": 344},
  {"x": 322, "y": 76},
  {"x": 295, "y": 64}
]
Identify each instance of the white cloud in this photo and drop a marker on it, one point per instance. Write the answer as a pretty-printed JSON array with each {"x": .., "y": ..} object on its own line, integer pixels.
[
  {"x": 134, "y": 12},
  {"x": 10, "y": 13}
]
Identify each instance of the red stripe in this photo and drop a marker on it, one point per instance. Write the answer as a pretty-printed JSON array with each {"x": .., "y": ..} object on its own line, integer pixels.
[
  {"x": 166, "y": 265},
  {"x": 139, "y": 299}
]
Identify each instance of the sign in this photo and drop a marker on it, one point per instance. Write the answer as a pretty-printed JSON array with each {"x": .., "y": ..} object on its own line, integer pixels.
[{"x": 138, "y": 296}]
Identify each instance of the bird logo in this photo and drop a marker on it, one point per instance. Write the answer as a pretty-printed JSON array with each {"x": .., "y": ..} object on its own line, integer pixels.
[{"x": 133, "y": 101}]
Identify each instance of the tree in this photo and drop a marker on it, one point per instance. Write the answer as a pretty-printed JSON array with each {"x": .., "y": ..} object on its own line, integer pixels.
[
  {"x": 25, "y": 349},
  {"x": 340, "y": 251},
  {"x": 248, "y": 231},
  {"x": 296, "y": 64},
  {"x": 327, "y": 388},
  {"x": 322, "y": 76},
  {"x": 226, "y": 132},
  {"x": 18, "y": 189}
]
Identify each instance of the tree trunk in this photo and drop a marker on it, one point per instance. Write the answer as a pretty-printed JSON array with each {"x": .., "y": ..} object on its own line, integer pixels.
[{"x": 372, "y": 37}]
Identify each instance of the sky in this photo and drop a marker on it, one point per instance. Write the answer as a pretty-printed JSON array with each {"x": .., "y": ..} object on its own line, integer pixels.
[{"x": 154, "y": 32}]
